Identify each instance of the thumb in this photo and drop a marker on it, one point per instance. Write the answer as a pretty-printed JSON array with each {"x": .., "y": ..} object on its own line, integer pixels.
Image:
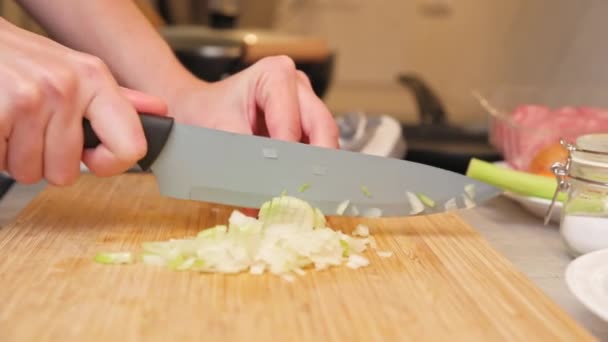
[{"x": 145, "y": 103}]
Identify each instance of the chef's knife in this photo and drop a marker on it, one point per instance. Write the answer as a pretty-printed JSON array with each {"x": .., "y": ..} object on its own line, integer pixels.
[{"x": 196, "y": 163}]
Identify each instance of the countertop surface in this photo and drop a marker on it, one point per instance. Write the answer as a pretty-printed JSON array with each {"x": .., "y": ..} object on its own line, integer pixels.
[{"x": 534, "y": 249}]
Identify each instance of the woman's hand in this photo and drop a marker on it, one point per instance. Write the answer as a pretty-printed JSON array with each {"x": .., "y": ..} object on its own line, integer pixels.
[
  {"x": 45, "y": 91},
  {"x": 270, "y": 98}
]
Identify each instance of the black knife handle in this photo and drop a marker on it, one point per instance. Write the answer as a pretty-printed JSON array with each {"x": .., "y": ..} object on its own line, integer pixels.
[{"x": 156, "y": 129}]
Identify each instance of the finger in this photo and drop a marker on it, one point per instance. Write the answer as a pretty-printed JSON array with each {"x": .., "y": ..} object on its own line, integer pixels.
[
  {"x": 318, "y": 125},
  {"x": 62, "y": 137},
  {"x": 145, "y": 103},
  {"x": 9, "y": 78},
  {"x": 276, "y": 94},
  {"x": 63, "y": 146},
  {"x": 3, "y": 152},
  {"x": 26, "y": 141},
  {"x": 118, "y": 128}
]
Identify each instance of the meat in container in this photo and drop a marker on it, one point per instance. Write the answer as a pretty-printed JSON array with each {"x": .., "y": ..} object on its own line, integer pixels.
[{"x": 526, "y": 123}]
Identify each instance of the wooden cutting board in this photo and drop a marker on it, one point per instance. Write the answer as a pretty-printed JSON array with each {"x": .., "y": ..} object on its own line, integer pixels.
[{"x": 443, "y": 283}]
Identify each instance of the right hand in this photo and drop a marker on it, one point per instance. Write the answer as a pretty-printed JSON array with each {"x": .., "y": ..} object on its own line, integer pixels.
[{"x": 45, "y": 91}]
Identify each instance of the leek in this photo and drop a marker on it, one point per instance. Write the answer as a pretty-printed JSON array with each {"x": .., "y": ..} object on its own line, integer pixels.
[{"x": 518, "y": 182}]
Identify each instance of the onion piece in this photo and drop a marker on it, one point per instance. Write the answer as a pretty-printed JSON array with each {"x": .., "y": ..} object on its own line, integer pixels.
[
  {"x": 354, "y": 210},
  {"x": 355, "y": 261},
  {"x": 469, "y": 189},
  {"x": 384, "y": 254},
  {"x": 151, "y": 259},
  {"x": 451, "y": 204},
  {"x": 342, "y": 207},
  {"x": 304, "y": 187},
  {"x": 365, "y": 191},
  {"x": 372, "y": 212},
  {"x": 426, "y": 200},
  {"x": 415, "y": 203},
  {"x": 114, "y": 258},
  {"x": 257, "y": 269},
  {"x": 468, "y": 202},
  {"x": 361, "y": 230},
  {"x": 288, "y": 278}
]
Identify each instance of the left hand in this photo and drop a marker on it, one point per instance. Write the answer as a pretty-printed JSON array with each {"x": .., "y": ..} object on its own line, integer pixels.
[{"x": 270, "y": 98}]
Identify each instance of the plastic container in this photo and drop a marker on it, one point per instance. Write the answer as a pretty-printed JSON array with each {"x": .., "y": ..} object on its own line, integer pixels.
[
  {"x": 584, "y": 179},
  {"x": 525, "y": 120}
]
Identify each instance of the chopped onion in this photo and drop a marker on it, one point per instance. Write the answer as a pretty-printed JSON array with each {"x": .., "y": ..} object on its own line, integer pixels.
[
  {"x": 372, "y": 212},
  {"x": 319, "y": 219},
  {"x": 451, "y": 204},
  {"x": 257, "y": 269},
  {"x": 354, "y": 210},
  {"x": 469, "y": 189},
  {"x": 384, "y": 254},
  {"x": 415, "y": 203},
  {"x": 151, "y": 259},
  {"x": 361, "y": 230},
  {"x": 288, "y": 236},
  {"x": 355, "y": 261},
  {"x": 288, "y": 278},
  {"x": 426, "y": 200},
  {"x": 304, "y": 187},
  {"x": 468, "y": 202},
  {"x": 114, "y": 258},
  {"x": 342, "y": 207},
  {"x": 365, "y": 191}
]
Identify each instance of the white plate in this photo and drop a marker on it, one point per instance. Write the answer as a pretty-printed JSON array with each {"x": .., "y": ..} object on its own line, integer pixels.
[
  {"x": 536, "y": 206},
  {"x": 587, "y": 279}
]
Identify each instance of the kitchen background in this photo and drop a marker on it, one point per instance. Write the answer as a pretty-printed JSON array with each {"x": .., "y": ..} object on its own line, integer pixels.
[{"x": 454, "y": 45}]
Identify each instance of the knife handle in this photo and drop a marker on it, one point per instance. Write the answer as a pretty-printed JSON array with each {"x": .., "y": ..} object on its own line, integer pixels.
[{"x": 156, "y": 129}]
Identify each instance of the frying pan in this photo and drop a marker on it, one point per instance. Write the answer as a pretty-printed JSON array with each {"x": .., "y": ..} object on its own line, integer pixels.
[{"x": 434, "y": 141}]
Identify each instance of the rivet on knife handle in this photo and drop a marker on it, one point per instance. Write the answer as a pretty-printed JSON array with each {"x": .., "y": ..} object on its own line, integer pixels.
[{"x": 156, "y": 129}]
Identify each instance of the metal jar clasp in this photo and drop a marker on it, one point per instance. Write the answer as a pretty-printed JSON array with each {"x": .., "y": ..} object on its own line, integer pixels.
[{"x": 561, "y": 171}]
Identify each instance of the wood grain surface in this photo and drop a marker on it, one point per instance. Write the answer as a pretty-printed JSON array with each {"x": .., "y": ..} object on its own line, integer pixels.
[{"x": 443, "y": 283}]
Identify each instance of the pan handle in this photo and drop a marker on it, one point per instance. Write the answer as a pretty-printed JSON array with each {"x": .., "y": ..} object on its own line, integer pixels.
[
  {"x": 430, "y": 108},
  {"x": 156, "y": 129}
]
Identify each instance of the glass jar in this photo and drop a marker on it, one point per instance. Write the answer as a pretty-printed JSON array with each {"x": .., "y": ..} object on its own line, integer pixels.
[{"x": 583, "y": 190}]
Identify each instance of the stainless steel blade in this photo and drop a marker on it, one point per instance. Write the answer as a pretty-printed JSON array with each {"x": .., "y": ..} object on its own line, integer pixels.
[{"x": 241, "y": 170}]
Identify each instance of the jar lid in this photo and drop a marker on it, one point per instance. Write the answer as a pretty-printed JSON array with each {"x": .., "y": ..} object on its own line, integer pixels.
[{"x": 591, "y": 150}]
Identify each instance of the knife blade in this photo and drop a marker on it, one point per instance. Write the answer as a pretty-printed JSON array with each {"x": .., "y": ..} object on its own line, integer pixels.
[{"x": 203, "y": 164}]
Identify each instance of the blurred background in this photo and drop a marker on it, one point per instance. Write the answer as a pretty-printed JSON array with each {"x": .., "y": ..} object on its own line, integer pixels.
[{"x": 399, "y": 74}]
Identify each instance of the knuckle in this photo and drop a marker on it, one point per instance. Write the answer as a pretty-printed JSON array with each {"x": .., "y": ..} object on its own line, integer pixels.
[
  {"x": 92, "y": 67},
  {"x": 26, "y": 97},
  {"x": 279, "y": 62},
  {"x": 62, "y": 84},
  {"x": 304, "y": 78},
  {"x": 136, "y": 151}
]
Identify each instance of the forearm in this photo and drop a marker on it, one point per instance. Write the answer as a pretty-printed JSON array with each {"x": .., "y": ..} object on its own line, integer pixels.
[{"x": 118, "y": 33}]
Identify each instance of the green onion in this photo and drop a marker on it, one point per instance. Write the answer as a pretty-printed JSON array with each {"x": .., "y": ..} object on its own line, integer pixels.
[
  {"x": 365, "y": 191},
  {"x": 519, "y": 182},
  {"x": 426, "y": 200},
  {"x": 114, "y": 258},
  {"x": 304, "y": 187}
]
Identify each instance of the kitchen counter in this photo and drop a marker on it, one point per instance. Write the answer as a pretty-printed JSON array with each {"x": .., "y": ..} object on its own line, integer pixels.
[{"x": 534, "y": 249}]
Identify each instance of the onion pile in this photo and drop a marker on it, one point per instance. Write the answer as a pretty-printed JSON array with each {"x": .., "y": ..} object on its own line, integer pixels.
[{"x": 287, "y": 237}]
